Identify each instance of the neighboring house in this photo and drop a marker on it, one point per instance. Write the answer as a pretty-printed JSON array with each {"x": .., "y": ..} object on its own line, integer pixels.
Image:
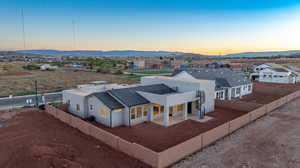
[
  {"x": 48, "y": 67},
  {"x": 229, "y": 84},
  {"x": 275, "y": 73},
  {"x": 163, "y": 100},
  {"x": 136, "y": 63}
]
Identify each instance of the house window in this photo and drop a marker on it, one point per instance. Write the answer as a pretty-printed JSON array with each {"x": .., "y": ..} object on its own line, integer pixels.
[
  {"x": 103, "y": 112},
  {"x": 139, "y": 112},
  {"x": 171, "y": 109},
  {"x": 133, "y": 111},
  {"x": 221, "y": 95},
  {"x": 249, "y": 88},
  {"x": 161, "y": 109},
  {"x": 68, "y": 101},
  {"x": 156, "y": 109},
  {"x": 180, "y": 107},
  {"x": 91, "y": 107},
  {"x": 238, "y": 90},
  {"x": 145, "y": 111},
  {"x": 77, "y": 107},
  {"x": 118, "y": 110}
]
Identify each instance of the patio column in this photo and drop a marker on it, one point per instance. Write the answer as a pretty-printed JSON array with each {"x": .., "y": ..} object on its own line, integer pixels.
[
  {"x": 229, "y": 93},
  {"x": 166, "y": 116},
  {"x": 151, "y": 115},
  {"x": 184, "y": 113}
]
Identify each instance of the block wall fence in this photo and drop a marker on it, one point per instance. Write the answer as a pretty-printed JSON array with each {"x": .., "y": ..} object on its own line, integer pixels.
[{"x": 177, "y": 152}]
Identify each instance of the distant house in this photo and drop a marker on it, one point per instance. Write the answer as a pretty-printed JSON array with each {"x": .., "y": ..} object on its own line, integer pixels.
[
  {"x": 136, "y": 64},
  {"x": 229, "y": 84},
  {"x": 48, "y": 67},
  {"x": 163, "y": 100},
  {"x": 275, "y": 73}
]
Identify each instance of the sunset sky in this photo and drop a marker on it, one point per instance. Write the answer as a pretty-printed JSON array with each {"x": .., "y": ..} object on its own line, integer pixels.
[{"x": 199, "y": 26}]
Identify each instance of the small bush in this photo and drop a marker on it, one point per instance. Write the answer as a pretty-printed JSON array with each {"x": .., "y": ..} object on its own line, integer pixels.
[
  {"x": 118, "y": 72},
  {"x": 31, "y": 67},
  {"x": 103, "y": 70}
]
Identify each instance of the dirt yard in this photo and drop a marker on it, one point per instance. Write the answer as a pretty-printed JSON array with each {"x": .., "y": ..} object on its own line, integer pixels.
[
  {"x": 272, "y": 141},
  {"x": 159, "y": 138},
  {"x": 31, "y": 139},
  {"x": 264, "y": 93},
  {"x": 17, "y": 84}
]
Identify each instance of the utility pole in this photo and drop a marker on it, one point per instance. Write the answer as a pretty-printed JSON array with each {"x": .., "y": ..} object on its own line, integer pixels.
[{"x": 36, "y": 95}]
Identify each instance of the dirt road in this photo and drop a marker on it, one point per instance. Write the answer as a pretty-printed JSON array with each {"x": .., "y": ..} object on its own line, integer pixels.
[
  {"x": 33, "y": 139},
  {"x": 270, "y": 142}
]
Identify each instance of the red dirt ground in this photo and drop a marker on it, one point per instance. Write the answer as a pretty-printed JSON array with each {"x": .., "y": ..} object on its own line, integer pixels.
[
  {"x": 14, "y": 73},
  {"x": 159, "y": 138},
  {"x": 264, "y": 93},
  {"x": 33, "y": 139}
]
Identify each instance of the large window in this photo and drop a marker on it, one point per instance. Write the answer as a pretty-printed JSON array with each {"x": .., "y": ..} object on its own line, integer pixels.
[
  {"x": 171, "y": 109},
  {"x": 145, "y": 111},
  {"x": 155, "y": 110},
  {"x": 133, "y": 111},
  {"x": 162, "y": 109},
  {"x": 103, "y": 112},
  {"x": 139, "y": 112},
  {"x": 180, "y": 107},
  {"x": 158, "y": 109}
]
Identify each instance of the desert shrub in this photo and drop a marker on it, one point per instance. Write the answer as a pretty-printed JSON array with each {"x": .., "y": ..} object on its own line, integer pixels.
[
  {"x": 118, "y": 72},
  {"x": 103, "y": 70},
  {"x": 31, "y": 67}
]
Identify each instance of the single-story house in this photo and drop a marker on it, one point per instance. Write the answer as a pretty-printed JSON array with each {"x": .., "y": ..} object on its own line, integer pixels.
[
  {"x": 48, "y": 67},
  {"x": 229, "y": 84},
  {"x": 274, "y": 73},
  {"x": 163, "y": 100}
]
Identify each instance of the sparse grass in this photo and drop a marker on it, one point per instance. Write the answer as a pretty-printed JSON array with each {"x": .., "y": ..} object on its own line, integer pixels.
[{"x": 54, "y": 81}]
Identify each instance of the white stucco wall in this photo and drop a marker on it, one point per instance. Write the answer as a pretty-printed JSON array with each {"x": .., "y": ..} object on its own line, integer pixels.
[
  {"x": 74, "y": 99},
  {"x": 268, "y": 75},
  {"x": 116, "y": 119},
  {"x": 187, "y": 85}
]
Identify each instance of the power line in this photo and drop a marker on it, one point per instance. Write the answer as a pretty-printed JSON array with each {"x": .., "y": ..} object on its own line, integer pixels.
[
  {"x": 23, "y": 29},
  {"x": 74, "y": 34}
]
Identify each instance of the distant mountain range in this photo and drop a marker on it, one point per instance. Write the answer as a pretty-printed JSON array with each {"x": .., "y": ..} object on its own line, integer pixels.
[
  {"x": 113, "y": 53},
  {"x": 136, "y": 53},
  {"x": 263, "y": 54}
]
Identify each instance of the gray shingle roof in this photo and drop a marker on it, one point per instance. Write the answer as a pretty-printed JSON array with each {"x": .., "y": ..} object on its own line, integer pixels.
[
  {"x": 224, "y": 77},
  {"x": 130, "y": 97},
  {"x": 108, "y": 100}
]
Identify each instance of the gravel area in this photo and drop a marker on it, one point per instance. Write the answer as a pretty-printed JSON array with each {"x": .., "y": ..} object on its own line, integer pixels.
[{"x": 270, "y": 142}]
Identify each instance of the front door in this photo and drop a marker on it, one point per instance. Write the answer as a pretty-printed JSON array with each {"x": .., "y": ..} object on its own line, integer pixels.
[{"x": 189, "y": 108}]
